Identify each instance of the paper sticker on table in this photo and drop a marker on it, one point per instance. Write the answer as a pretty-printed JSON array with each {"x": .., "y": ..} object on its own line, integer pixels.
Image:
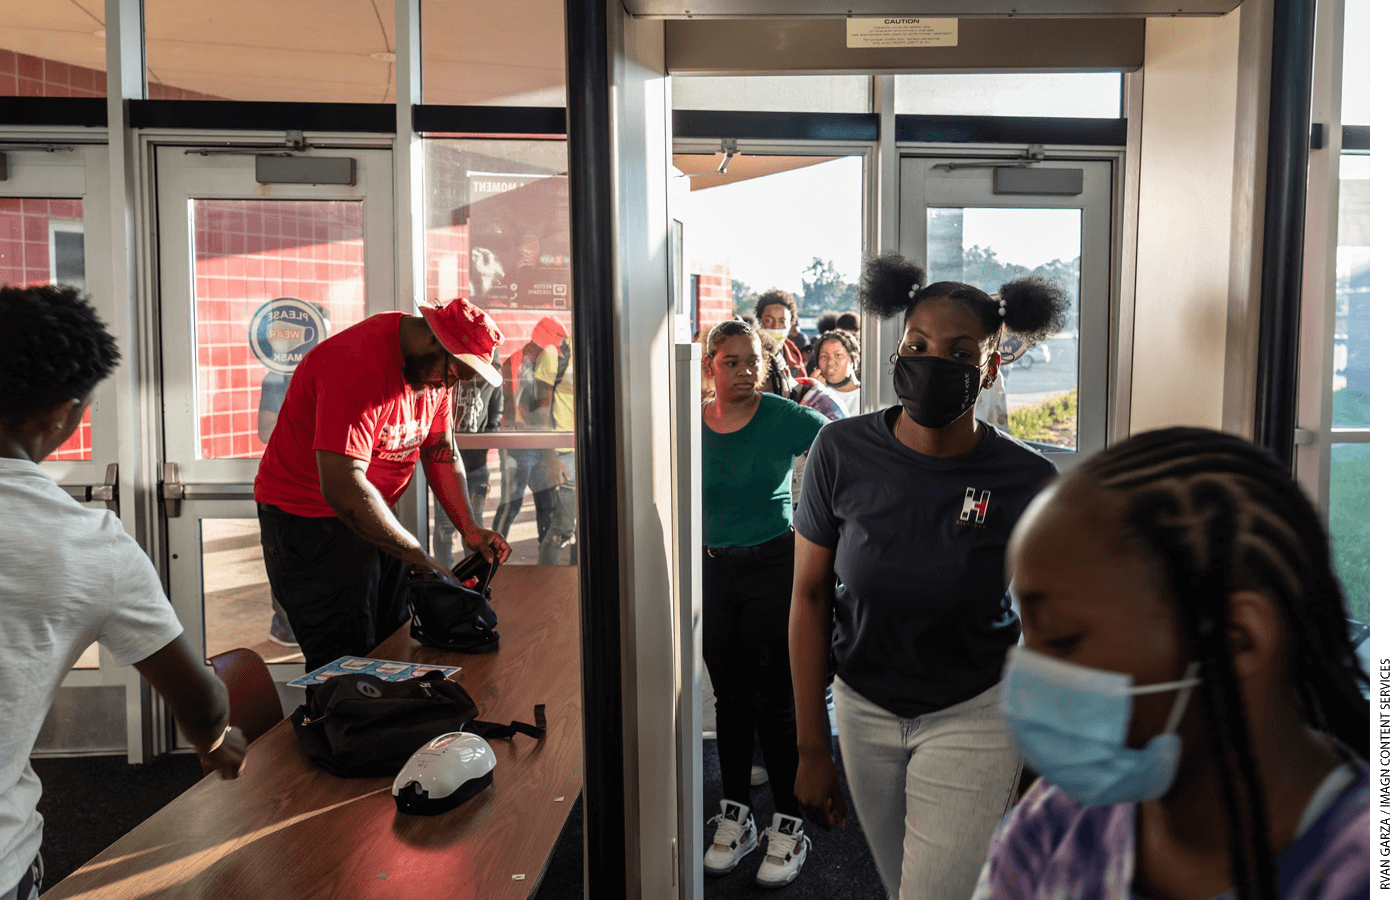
[
  {"x": 901, "y": 31},
  {"x": 387, "y": 669}
]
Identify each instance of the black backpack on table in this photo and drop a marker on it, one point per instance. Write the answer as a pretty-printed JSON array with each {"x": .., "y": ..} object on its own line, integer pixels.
[
  {"x": 448, "y": 614},
  {"x": 359, "y": 725}
]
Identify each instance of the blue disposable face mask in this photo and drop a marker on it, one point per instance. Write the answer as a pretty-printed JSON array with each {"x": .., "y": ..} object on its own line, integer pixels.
[{"x": 1070, "y": 722}]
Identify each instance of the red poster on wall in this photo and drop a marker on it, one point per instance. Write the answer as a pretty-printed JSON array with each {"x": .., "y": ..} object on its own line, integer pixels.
[{"x": 519, "y": 240}]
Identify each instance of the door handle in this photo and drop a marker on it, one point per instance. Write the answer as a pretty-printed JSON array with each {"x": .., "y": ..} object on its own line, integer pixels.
[
  {"x": 107, "y": 490},
  {"x": 172, "y": 490}
]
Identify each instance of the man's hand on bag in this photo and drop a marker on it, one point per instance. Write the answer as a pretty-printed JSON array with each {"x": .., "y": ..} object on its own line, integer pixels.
[
  {"x": 818, "y": 789},
  {"x": 423, "y": 564},
  {"x": 488, "y": 543}
]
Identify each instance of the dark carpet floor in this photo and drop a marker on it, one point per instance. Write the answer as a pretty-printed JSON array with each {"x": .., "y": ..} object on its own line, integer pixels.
[
  {"x": 838, "y": 865},
  {"x": 90, "y": 802}
]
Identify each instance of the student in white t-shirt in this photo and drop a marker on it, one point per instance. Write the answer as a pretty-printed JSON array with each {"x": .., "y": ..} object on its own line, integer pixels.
[{"x": 69, "y": 575}]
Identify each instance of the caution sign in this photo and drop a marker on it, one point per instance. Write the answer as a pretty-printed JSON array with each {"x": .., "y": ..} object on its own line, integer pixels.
[{"x": 901, "y": 31}]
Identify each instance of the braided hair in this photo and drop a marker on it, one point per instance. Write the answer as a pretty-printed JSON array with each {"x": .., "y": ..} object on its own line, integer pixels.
[
  {"x": 1035, "y": 307},
  {"x": 1221, "y": 515},
  {"x": 53, "y": 348},
  {"x": 845, "y": 339}
]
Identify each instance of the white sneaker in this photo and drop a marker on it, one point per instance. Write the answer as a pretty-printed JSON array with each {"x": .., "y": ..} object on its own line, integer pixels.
[
  {"x": 735, "y": 838},
  {"x": 758, "y": 775},
  {"x": 787, "y": 851}
]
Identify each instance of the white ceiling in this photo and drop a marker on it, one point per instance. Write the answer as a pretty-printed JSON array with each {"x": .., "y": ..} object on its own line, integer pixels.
[
  {"x": 702, "y": 168},
  {"x": 475, "y": 52}
]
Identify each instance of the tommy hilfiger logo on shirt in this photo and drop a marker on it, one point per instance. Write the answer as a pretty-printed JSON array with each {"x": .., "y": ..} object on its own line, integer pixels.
[{"x": 973, "y": 503}]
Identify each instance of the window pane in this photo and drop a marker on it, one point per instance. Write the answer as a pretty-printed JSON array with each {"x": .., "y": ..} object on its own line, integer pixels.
[
  {"x": 52, "y": 50},
  {"x": 1356, "y": 64},
  {"x": 787, "y": 222},
  {"x": 498, "y": 233},
  {"x": 306, "y": 255},
  {"x": 480, "y": 53},
  {"x": 773, "y": 93},
  {"x": 989, "y": 247},
  {"x": 1351, "y": 364},
  {"x": 41, "y": 242},
  {"x": 237, "y": 599},
  {"x": 1097, "y": 95},
  {"x": 339, "y": 51},
  {"x": 1350, "y": 524}
]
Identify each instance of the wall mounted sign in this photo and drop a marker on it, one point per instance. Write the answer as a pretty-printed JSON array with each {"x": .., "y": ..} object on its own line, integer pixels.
[
  {"x": 519, "y": 240},
  {"x": 283, "y": 331},
  {"x": 901, "y": 31}
]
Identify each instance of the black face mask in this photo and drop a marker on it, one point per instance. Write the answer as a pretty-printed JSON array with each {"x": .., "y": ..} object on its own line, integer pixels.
[{"x": 935, "y": 391}]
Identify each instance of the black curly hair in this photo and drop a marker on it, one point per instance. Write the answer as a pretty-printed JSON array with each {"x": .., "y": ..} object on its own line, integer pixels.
[
  {"x": 826, "y": 322},
  {"x": 1220, "y": 514},
  {"x": 848, "y": 322},
  {"x": 53, "y": 348},
  {"x": 891, "y": 284},
  {"x": 775, "y": 295}
]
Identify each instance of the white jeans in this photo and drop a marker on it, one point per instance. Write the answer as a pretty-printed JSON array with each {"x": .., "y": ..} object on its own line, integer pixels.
[{"x": 929, "y": 791}]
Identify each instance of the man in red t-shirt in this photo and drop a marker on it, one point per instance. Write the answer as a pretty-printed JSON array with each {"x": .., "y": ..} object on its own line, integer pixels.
[{"x": 361, "y": 408}]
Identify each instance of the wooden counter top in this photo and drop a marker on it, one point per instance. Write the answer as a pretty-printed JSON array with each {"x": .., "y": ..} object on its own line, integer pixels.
[{"x": 287, "y": 829}]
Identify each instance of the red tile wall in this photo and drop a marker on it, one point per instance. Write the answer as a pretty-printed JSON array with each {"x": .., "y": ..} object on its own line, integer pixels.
[
  {"x": 246, "y": 253},
  {"x": 22, "y": 75},
  {"x": 24, "y": 260},
  {"x": 716, "y": 298}
]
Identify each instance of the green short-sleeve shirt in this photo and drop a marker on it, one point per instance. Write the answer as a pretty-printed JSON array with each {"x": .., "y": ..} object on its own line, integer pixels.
[{"x": 748, "y": 473}]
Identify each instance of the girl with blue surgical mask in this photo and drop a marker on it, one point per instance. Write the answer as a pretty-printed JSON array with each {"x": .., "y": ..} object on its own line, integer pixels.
[{"x": 1187, "y": 689}]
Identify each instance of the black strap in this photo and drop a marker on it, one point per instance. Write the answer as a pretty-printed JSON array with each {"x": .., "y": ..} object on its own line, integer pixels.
[{"x": 506, "y": 732}]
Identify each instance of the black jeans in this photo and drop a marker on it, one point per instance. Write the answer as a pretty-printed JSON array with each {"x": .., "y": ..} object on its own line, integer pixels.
[
  {"x": 343, "y": 595},
  {"x": 746, "y": 601}
]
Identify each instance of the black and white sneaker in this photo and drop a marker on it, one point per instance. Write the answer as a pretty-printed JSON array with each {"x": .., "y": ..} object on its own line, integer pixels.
[
  {"x": 788, "y": 847},
  {"x": 735, "y": 838}
]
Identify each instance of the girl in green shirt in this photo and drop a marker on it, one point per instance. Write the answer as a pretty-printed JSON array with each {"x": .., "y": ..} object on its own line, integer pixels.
[{"x": 748, "y": 444}]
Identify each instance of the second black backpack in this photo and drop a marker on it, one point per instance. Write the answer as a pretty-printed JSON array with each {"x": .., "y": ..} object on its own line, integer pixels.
[{"x": 448, "y": 615}]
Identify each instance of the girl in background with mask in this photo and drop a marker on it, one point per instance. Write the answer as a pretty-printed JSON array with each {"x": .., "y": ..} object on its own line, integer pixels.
[
  {"x": 910, "y": 508},
  {"x": 1187, "y": 691}
]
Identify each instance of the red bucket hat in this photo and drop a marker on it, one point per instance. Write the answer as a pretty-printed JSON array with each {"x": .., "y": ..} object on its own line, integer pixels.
[{"x": 468, "y": 333}]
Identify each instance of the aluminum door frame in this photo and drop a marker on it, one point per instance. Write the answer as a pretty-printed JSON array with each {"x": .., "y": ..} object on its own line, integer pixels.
[
  {"x": 78, "y": 171},
  {"x": 181, "y": 176},
  {"x": 871, "y": 160},
  {"x": 77, "y": 167},
  {"x": 921, "y": 188},
  {"x": 223, "y": 489}
]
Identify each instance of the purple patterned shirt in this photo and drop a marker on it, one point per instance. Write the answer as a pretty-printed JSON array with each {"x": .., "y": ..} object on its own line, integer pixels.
[{"x": 1051, "y": 848}]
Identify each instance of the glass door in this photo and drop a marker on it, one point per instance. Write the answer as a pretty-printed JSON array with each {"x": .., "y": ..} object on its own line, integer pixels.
[
  {"x": 987, "y": 221},
  {"x": 54, "y": 219},
  {"x": 254, "y": 272}
]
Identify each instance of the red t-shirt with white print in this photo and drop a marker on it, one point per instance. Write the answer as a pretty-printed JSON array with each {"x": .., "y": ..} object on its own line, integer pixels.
[{"x": 348, "y": 395}]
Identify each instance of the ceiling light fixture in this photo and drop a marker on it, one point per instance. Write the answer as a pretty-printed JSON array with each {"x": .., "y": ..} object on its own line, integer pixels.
[{"x": 383, "y": 56}]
